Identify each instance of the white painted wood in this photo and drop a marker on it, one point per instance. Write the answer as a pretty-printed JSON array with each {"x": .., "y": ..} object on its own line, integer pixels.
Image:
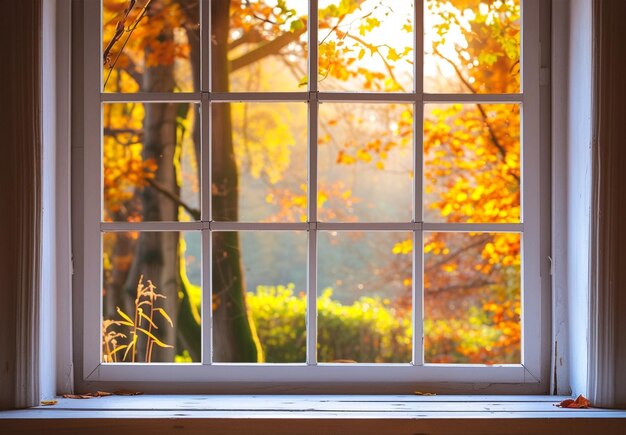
[
  {"x": 314, "y": 407},
  {"x": 273, "y": 97},
  {"x": 285, "y": 375},
  {"x": 150, "y": 97},
  {"x": 531, "y": 193},
  {"x": 474, "y": 98},
  {"x": 288, "y": 375},
  {"x": 92, "y": 202},
  {"x": 311, "y": 299},
  {"x": 471, "y": 227},
  {"x": 150, "y": 226},
  {"x": 418, "y": 298},
  {"x": 368, "y": 226},
  {"x": 63, "y": 326},
  {"x": 259, "y": 226}
]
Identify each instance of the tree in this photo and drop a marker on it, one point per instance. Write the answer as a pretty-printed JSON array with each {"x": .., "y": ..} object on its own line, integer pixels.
[{"x": 153, "y": 45}]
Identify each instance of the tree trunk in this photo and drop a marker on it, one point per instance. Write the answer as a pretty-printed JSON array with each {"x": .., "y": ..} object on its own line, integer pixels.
[
  {"x": 233, "y": 339},
  {"x": 157, "y": 253}
]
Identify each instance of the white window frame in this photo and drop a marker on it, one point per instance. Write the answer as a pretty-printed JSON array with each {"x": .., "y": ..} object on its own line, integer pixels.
[{"x": 517, "y": 377}]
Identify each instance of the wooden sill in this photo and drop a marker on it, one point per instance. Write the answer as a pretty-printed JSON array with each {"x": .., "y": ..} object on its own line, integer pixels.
[{"x": 195, "y": 414}]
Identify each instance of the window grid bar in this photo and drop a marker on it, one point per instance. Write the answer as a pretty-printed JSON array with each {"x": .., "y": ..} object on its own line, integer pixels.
[
  {"x": 311, "y": 303},
  {"x": 334, "y": 97},
  {"x": 150, "y": 97},
  {"x": 206, "y": 320},
  {"x": 418, "y": 298},
  {"x": 205, "y": 45},
  {"x": 418, "y": 159},
  {"x": 313, "y": 97},
  {"x": 312, "y": 112},
  {"x": 310, "y": 226}
]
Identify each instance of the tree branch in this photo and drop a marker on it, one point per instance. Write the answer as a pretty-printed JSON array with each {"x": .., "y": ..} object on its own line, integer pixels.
[
  {"x": 195, "y": 213},
  {"x": 492, "y": 134},
  {"x": 271, "y": 47},
  {"x": 479, "y": 241},
  {"x": 460, "y": 287}
]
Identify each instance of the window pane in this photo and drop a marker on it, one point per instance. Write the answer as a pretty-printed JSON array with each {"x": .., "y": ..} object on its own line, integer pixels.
[
  {"x": 472, "y": 298},
  {"x": 151, "y": 297},
  {"x": 264, "y": 48},
  {"x": 153, "y": 47},
  {"x": 472, "y": 163},
  {"x": 150, "y": 162},
  {"x": 364, "y": 297},
  {"x": 259, "y": 278},
  {"x": 365, "y": 162},
  {"x": 269, "y": 181},
  {"x": 366, "y": 45},
  {"x": 472, "y": 46}
]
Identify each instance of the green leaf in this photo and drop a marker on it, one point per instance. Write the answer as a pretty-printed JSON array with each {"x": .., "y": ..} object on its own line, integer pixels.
[{"x": 296, "y": 25}]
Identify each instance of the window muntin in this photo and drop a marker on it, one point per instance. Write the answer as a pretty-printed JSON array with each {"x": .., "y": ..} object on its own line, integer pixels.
[{"x": 419, "y": 224}]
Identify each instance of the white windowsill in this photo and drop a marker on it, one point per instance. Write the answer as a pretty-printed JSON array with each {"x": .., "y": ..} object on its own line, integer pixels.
[{"x": 368, "y": 414}]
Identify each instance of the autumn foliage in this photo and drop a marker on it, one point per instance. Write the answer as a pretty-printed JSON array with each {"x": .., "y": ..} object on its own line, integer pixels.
[{"x": 471, "y": 156}]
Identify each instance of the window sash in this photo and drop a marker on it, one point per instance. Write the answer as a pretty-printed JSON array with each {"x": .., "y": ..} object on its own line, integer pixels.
[{"x": 529, "y": 227}]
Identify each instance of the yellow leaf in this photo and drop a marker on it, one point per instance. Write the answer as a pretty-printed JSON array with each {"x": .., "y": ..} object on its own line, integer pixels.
[
  {"x": 156, "y": 340},
  {"x": 117, "y": 349},
  {"x": 124, "y": 315},
  {"x": 164, "y": 314},
  {"x": 130, "y": 346},
  {"x": 141, "y": 313},
  {"x": 392, "y": 54}
]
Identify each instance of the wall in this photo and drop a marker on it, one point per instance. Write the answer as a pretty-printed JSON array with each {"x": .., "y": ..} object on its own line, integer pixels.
[{"x": 571, "y": 78}]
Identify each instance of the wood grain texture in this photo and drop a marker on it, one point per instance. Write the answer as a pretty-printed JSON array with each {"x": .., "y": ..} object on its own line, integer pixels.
[{"x": 195, "y": 414}]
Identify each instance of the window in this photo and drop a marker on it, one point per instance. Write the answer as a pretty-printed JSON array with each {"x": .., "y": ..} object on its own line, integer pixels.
[{"x": 245, "y": 222}]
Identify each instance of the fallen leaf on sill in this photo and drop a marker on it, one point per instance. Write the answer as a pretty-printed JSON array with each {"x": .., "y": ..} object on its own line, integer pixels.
[
  {"x": 101, "y": 394},
  {"x": 127, "y": 393},
  {"x": 581, "y": 402},
  {"x": 421, "y": 393},
  {"x": 87, "y": 395},
  {"x": 77, "y": 396},
  {"x": 344, "y": 361},
  {"x": 49, "y": 402}
]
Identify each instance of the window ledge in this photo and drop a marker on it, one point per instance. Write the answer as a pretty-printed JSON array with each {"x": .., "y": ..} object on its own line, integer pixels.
[{"x": 362, "y": 414}]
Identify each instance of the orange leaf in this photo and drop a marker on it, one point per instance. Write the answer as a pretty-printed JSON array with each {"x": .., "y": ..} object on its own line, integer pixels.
[
  {"x": 581, "y": 402},
  {"x": 127, "y": 393}
]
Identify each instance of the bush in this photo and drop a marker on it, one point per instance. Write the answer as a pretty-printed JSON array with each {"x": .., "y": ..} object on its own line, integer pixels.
[
  {"x": 373, "y": 330},
  {"x": 369, "y": 330}
]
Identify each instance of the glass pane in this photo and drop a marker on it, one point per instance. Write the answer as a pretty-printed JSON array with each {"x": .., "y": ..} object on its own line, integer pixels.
[
  {"x": 472, "y": 163},
  {"x": 269, "y": 180},
  {"x": 259, "y": 45},
  {"x": 365, "y": 162},
  {"x": 151, "y": 297},
  {"x": 150, "y": 45},
  {"x": 150, "y": 162},
  {"x": 366, "y": 45},
  {"x": 472, "y": 46},
  {"x": 259, "y": 279},
  {"x": 364, "y": 297},
  {"x": 472, "y": 298}
]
